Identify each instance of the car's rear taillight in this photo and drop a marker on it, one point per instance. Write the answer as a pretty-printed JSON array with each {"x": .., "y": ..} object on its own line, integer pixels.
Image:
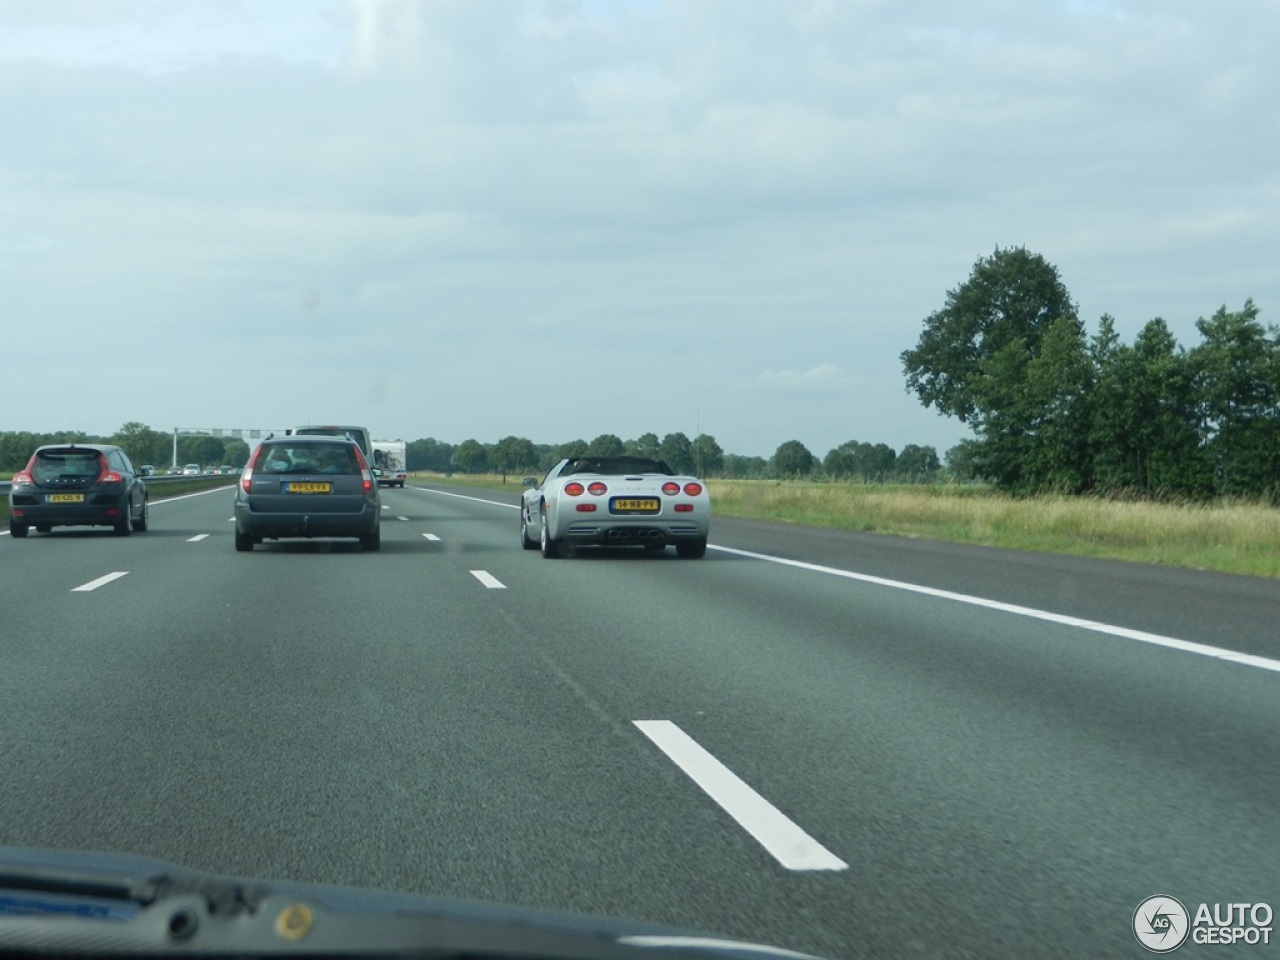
[
  {"x": 670, "y": 489},
  {"x": 22, "y": 478},
  {"x": 107, "y": 475},
  {"x": 692, "y": 489},
  {"x": 574, "y": 489},
  {"x": 247, "y": 473},
  {"x": 365, "y": 475},
  {"x": 597, "y": 489}
]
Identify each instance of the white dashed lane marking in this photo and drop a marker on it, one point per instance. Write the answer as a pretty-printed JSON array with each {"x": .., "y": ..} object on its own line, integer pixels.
[
  {"x": 432, "y": 537},
  {"x": 785, "y": 842},
  {"x": 489, "y": 580},
  {"x": 197, "y": 538},
  {"x": 101, "y": 581}
]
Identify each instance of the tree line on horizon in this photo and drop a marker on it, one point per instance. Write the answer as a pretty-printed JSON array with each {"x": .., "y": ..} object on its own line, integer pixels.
[
  {"x": 1055, "y": 409},
  {"x": 852, "y": 461}
]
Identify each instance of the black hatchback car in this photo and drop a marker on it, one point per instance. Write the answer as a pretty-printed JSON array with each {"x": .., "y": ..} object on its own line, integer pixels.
[
  {"x": 307, "y": 487},
  {"x": 79, "y": 484}
]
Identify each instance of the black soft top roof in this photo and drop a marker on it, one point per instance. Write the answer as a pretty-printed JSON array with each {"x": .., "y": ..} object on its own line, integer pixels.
[{"x": 616, "y": 466}]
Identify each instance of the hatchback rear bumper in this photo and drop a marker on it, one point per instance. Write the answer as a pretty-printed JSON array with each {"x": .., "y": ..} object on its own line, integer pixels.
[
  {"x": 100, "y": 511},
  {"x": 270, "y": 525}
]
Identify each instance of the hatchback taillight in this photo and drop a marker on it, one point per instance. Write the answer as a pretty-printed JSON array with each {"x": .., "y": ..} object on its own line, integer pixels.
[
  {"x": 22, "y": 479},
  {"x": 365, "y": 476},
  {"x": 247, "y": 473},
  {"x": 107, "y": 475}
]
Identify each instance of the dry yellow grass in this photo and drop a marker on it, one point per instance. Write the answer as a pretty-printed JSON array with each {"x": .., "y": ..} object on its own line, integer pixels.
[{"x": 1231, "y": 536}]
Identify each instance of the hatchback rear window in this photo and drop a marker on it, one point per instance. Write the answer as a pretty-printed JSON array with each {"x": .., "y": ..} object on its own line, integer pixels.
[
  {"x": 53, "y": 465},
  {"x": 307, "y": 458}
]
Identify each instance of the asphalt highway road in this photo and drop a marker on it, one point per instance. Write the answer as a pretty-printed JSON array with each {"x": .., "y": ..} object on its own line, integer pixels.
[{"x": 850, "y": 745}]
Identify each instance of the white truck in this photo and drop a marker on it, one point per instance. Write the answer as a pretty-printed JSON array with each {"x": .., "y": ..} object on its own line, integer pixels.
[{"x": 389, "y": 456}]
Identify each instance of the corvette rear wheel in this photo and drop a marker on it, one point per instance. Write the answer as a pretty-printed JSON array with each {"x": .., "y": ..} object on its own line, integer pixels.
[
  {"x": 526, "y": 541},
  {"x": 551, "y": 548}
]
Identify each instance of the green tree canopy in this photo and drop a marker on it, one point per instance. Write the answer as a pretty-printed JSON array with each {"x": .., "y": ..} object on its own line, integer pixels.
[
  {"x": 792, "y": 459},
  {"x": 513, "y": 454},
  {"x": 708, "y": 458},
  {"x": 605, "y": 445},
  {"x": 645, "y": 445},
  {"x": 471, "y": 456},
  {"x": 1008, "y": 303},
  {"x": 677, "y": 451}
]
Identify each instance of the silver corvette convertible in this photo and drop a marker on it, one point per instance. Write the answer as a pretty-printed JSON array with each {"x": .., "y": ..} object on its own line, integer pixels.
[{"x": 614, "y": 501}]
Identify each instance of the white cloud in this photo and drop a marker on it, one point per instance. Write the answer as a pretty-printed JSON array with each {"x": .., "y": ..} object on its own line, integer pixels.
[{"x": 826, "y": 377}]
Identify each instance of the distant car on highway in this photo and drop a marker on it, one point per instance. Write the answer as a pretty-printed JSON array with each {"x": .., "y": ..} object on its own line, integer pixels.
[
  {"x": 615, "y": 501},
  {"x": 80, "y": 484},
  {"x": 191, "y": 470},
  {"x": 312, "y": 486}
]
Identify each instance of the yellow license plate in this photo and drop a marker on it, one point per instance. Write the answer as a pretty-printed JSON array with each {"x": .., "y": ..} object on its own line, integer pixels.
[
  {"x": 66, "y": 498},
  {"x": 300, "y": 487},
  {"x": 639, "y": 505}
]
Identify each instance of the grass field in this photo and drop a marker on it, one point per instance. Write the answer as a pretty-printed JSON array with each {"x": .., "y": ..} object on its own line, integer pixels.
[{"x": 1229, "y": 536}]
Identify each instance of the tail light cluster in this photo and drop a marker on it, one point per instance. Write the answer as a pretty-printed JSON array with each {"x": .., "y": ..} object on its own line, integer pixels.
[
  {"x": 107, "y": 475},
  {"x": 247, "y": 473},
  {"x": 691, "y": 489},
  {"x": 22, "y": 478},
  {"x": 365, "y": 475}
]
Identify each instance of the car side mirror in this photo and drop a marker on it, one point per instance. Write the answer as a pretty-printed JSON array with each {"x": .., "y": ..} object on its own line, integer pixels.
[
  {"x": 377, "y": 472},
  {"x": 529, "y": 482}
]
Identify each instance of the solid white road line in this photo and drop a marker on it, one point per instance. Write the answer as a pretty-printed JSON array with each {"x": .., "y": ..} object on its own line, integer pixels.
[
  {"x": 1155, "y": 639},
  {"x": 489, "y": 580},
  {"x": 432, "y": 536},
  {"x": 492, "y": 503},
  {"x": 95, "y": 584},
  {"x": 197, "y": 538},
  {"x": 785, "y": 841},
  {"x": 402, "y": 518}
]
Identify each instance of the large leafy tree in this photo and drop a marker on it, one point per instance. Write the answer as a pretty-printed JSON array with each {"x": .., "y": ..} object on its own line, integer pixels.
[
  {"x": 708, "y": 457},
  {"x": 917, "y": 464},
  {"x": 645, "y": 445},
  {"x": 142, "y": 444},
  {"x": 512, "y": 454},
  {"x": 605, "y": 445},
  {"x": 1237, "y": 375},
  {"x": 429, "y": 454},
  {"x": 1145, "y": 433},
  {"x": 792, "y": 459},
  {"x": 677, "y": 451},
  {"x": 854, "y": 460},
  {"x": 471, "y": 456},
  {"x": 1008, "y": 304}
]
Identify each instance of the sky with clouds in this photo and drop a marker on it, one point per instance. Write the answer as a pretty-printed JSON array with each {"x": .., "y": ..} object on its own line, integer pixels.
[{"x": 562, "y": 218}]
